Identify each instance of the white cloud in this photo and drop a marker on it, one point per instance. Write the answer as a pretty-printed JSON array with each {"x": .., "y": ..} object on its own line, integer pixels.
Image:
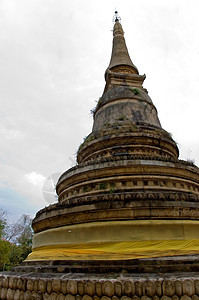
[
  {"x": 35, "y": 178},
  {"x": 10, "y": 134}
]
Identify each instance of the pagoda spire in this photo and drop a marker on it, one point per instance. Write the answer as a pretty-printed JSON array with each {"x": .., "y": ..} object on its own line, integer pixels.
[{"x": 120, "y": 55}]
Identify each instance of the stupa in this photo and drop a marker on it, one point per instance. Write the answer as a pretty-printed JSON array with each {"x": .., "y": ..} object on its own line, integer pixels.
[
  {"x": 127, "y": 213},
  {"x": 129, "y": 196}
]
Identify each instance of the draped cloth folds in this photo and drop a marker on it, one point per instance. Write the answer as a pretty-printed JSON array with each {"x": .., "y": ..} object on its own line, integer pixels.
[{"x": 117, "y": 240}]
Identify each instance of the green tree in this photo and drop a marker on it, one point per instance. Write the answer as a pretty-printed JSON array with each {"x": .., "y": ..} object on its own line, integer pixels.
[
  {"x": 15, "y": 241},
  {"x": 15, "y": 256},
  {"x": 4, "y": 245},
  {"x": 4, "y": 254}
]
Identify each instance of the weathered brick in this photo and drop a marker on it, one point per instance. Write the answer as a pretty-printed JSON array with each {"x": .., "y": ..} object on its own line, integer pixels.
[
  {"x": 36, "y": 285},
  {"x": 98, "y": 288},
  {"x": 108, "y": 288},
  {"x": 56, "y": 285},
  {"x": 129, "y": 288},
  {"x": 49, "y": 287},
  {"x": 10, "y": 294},
  {"x": 64, "y": 287},
  {"x": 27, "y": 295},
  {"x": 125, "y": 298},
  {"x": 158, "y": 288},
  {"x": 37, "y": 296},
  {"x": 188, "y": 288},
  {"x": 175, "y": 297},
  {"x": 61, "y": 297},
  {"x": 30, "y": 285},
  {"x": 53, "y": 296},
  {"x": 185, "y": 297},
  {"x": 46, "y": 296},
  {"x": 146, "y": 298},
  {"x": 17, "y": 295},
  {"x": 118, "y": 288},
  {"x": 178, "y": 287},
  {"x": 89, "y": 288},
  {"x": 42, "y": 286},
  {"x": 70, "y": 297},
  {"x": 87, "y": 297},
  {"x": 168, "y": 288},
  {"x": 138, "y": 288},
  {"x": 3, "y": 293},
  {"x": 5, "y": 282},
  {"x": 114, "y": 298},
  {"x": 165, "y": 298},
  {"x": 11, "y": 282},
  {"x": 15, "y": 283},
  {"x": 135, "y": 297},
  {"x": 72, "y": 287},
  {"x": 149, "y": 288},
  {"x": 105, "y": 298},
  {"x": 80, "y": 288},
  {"x": 196, "y": 283},
  {"x": 21, "y": 297}
]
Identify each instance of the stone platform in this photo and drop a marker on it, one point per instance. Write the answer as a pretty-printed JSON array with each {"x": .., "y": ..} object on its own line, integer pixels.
[
  {"x": 146, "y": 279},
  {"x": 189, "y": 263},
  {"x": 27, "y": 286}
]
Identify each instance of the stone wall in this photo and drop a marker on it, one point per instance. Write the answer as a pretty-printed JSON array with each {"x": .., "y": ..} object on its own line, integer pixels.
[{"x": 79, "y": 287}]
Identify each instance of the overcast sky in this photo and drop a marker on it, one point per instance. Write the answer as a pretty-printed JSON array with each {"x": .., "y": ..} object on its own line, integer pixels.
[{"x": 53, "y": 55}]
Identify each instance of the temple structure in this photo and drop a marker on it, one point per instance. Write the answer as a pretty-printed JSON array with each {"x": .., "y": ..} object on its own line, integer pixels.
[
  {"x": 129, "y": 196},
  {"x": 127, "y": 213}
]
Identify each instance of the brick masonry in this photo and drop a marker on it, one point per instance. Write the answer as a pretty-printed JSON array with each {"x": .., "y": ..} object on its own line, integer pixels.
[{"x": 124, "y": 287}]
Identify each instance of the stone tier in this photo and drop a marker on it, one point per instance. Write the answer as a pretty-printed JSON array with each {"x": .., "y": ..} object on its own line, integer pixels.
[
  {"x": 123, "y": 189},
  {"x": 128, "y": 140},
  {"x": 176, "y": 264},
  {"x": 126, "y": 120},
  {"x": 130, "y": 80},
  {"x": 135, "y": 93},
  {"x": 126, "y": 176},
  {"x": 125, "y": 102},
  {"x": 62, "y": 286}
]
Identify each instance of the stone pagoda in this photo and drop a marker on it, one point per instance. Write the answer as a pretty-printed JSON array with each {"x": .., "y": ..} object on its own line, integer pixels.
[{"x": 126, "y": 222}]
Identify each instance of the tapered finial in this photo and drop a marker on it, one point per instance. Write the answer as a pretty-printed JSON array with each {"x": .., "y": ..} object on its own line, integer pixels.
[
  {"x": 116, "y": 17},
  {"x": 120, "y": 56}
]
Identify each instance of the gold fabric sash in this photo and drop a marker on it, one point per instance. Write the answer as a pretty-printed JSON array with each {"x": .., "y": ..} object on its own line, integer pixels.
[{"x": 115, "y": 240}]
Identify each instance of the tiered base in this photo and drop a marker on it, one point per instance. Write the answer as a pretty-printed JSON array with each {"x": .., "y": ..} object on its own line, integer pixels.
[
  {"x": 175, "y": 264},
  {"x": 146, "y": 280}
]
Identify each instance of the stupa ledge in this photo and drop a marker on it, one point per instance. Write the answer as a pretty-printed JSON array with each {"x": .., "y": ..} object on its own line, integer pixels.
[
  {"x": 134, "y": 76},
  {"x": 123, "y": 79}
]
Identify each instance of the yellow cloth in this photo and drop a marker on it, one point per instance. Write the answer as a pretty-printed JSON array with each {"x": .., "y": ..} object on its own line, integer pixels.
[
  {"x": 116, "y": 251},
  {"x": 113, "y": 240}
]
